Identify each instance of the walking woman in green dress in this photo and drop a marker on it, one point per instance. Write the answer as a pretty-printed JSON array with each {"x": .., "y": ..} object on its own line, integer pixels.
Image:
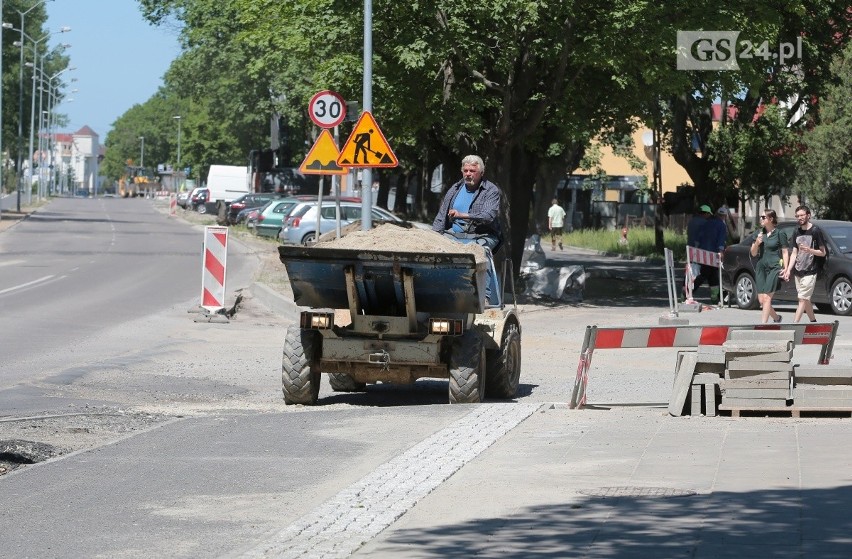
[{"x": 770, "y": 247}]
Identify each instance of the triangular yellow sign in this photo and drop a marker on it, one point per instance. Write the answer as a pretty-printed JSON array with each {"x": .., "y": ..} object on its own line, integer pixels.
[
  {"x": 322, "y": 157},
  {"x": 367, "y": 146}
]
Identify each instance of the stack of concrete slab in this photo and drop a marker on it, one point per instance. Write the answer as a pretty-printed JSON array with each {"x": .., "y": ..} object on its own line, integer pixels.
[
  {"x": 758, "y": 370},
  {"x": 697, "y": 377},
  {"x": 823, "y": 387}
]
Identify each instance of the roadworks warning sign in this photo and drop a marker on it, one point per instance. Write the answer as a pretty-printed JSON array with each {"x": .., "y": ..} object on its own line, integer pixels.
[
  {"x": 367, "y": 146},
  {"x": 322, "y": 158}
]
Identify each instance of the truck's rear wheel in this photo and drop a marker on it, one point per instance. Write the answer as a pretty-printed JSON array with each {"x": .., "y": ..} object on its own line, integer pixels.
[
  {"x": 300, "y": 375},
  {"x": 504, "y": 371},
  {"x": 341, "y": 382},
  {"x": 467, "y": 369}
]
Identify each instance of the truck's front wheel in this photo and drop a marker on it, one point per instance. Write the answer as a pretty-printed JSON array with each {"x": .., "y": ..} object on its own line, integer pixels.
[
  {"x": 467, "y": 369},
  {"x": 504, "y": 371},
  {"x": 300, "y": 375}
]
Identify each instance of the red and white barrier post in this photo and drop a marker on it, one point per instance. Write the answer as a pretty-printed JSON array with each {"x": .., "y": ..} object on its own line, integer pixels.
[
  {"x": 702, "y": 257},
  {"x": 172, "y": 205},
  {"x": 822, "y": 334},
  {"x": 213, "y": 268}
]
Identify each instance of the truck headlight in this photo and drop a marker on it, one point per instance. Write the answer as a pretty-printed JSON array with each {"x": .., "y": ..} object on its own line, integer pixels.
[
  {"x": 316, "y": 320},
  {"x": 446, "y": 326}
]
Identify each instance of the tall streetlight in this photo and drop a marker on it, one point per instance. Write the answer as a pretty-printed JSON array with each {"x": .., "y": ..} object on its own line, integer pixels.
[
  {"x": 49, "y": 79},
  {"x": 23, "y": 14},
  {"x": 142, "y": 152},
  {"x": 178, "y": 119},
  {"x": 21, "y": 44}
]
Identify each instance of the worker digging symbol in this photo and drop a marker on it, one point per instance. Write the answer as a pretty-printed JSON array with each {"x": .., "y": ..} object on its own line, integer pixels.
[
  {"x": 367, "y": 146},
  {"x": 362, "y": 145}
]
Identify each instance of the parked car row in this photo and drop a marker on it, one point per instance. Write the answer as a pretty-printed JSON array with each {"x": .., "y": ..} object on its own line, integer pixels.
[
  {"x": 293, "y": 220},
  {"x": 248, "y": 201},
  {"x": 833, "y": 289},
  {"x": 300, "y": 226}
]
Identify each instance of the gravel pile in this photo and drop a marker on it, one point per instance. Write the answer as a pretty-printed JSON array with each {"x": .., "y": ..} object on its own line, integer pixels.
[{"x": 390, "y": 237}]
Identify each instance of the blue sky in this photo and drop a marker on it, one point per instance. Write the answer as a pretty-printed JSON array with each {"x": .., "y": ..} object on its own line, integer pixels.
[{"x": 120, "y": 59}]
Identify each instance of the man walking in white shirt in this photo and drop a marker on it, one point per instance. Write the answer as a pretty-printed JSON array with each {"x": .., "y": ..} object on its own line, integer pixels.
[{"x": 555, "y": 222}]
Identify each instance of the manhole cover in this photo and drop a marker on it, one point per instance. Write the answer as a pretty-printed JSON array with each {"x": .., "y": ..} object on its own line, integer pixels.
[{"x": 628, "y": 491}]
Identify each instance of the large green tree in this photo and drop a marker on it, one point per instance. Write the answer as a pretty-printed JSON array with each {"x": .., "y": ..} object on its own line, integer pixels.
[
  {"x": 525, "y": 83},
  {"x": 812, "y": 30},
  {"x": 825, "y": 165}
]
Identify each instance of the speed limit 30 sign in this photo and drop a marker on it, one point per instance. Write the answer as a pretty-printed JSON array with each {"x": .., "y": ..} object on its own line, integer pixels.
[{"x": 327, "y": 109}]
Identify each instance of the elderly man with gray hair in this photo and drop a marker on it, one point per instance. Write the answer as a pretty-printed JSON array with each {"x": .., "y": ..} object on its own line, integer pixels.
[{"x": 470, "y": 212}]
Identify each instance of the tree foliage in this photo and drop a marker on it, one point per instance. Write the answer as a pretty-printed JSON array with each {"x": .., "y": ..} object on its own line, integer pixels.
[
  {"x": 527, "y": 84},
  {"x": 825, "y": 165}
]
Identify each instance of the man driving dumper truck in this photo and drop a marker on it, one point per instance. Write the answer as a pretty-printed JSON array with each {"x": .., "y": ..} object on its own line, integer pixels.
[{"x": 394, "y": 304}]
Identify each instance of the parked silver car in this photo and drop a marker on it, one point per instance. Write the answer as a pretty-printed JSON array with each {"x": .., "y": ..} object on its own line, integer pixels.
[{"x": 300, "y": 226}]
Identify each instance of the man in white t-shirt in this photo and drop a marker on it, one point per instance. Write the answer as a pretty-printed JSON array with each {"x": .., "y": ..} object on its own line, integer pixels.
[{"x": 555, "y": 222}]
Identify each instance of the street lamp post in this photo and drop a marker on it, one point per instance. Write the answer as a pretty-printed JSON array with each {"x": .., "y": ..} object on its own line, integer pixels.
[
  {"x": 142, "y": 152},
  {"x": 42, "y": 78},
  {"x": 180, "y": 175},
  {"x": 21, "y": 44},
  {"x": 19, "y": 171}
]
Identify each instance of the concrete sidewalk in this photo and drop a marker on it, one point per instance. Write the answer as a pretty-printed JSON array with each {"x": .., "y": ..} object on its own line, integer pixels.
[{"x": 635, "y": 482}]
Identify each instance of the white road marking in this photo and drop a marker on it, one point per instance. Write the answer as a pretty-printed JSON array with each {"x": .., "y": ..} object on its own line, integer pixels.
[
  {"x": 25, "y": 285},
  {"x": 341, "y": 525}
]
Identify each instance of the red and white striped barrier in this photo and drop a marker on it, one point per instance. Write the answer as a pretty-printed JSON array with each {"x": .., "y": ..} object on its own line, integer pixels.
[
  {"x": 172, "y": 205},
  {"x": 702, "y": 257},
  {"x": 213, "y": 269},
  {"x": 685, "y": 336}
]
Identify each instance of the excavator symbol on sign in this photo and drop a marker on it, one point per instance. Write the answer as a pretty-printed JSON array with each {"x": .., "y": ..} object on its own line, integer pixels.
[{"x": 362, "y": 146}]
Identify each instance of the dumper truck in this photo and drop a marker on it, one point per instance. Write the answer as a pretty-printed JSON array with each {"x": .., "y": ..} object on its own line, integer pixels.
[{"x": 406, "y": 315}]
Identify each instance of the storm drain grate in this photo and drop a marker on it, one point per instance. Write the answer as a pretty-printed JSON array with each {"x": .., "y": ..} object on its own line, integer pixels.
[{"x": 630, "y": 491}]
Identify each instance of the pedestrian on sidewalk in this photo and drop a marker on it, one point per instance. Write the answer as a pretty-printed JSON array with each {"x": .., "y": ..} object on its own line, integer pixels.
[
  {"x": 712, "y": 237},
  {"x": 807, "y": 253},
  {"x": 770, "y": 247},
  {"x": 555, "y": 222}
]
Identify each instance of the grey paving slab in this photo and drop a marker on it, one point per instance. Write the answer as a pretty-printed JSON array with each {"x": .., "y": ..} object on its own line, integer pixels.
[{"x": 751, "y": 487}]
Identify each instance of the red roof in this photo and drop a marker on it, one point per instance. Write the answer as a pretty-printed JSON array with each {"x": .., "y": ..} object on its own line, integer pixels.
[{"x": 85, "y": 131}]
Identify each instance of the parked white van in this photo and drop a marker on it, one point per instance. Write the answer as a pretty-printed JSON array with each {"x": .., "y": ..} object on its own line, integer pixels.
[{"x": 227, "y": 182}]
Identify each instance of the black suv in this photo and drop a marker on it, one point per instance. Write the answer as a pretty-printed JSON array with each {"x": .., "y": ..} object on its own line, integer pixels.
[{"x": 833, "y": 289}]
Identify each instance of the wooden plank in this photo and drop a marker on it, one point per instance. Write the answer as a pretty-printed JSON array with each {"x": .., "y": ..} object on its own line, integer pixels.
[
  {"x": 758, "y": 393},
  {"x": 761, "y": 335},
  {"x": 750, "y": 375},
  {"x": 682, "y": 382},
  {"x": 757, "y": 383},
  {"x": 760, "y": 366}
]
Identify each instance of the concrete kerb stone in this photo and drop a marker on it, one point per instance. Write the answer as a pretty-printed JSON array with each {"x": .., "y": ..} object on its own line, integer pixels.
[{"x": 274, "y": 301}]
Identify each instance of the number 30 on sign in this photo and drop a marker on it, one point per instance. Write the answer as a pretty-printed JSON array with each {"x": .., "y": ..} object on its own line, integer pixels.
[{"x": 327, "y": 109}]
